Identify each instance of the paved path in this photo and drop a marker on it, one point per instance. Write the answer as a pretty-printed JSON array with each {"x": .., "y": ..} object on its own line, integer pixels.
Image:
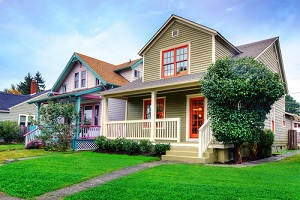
[{"x": 61, "y": 193}]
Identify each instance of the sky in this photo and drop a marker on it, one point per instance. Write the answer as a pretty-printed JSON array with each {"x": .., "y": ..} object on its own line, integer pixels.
[{"x": 42, "y": 35}]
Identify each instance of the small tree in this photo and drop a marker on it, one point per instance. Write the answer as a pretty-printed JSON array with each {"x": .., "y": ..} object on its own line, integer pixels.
[
  {"x": 240, "y": 93},
  {"x": 56, "y": 125},
  {"x": 291, "y": 105},
  {"x": 10, "y": 131}
]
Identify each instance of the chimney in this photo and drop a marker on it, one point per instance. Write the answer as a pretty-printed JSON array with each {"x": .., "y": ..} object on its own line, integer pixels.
[{"x": 33, "y": 87}]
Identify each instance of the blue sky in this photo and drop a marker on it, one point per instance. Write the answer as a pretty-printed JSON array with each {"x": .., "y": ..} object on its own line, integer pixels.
[{"x": 42, "y": 35}]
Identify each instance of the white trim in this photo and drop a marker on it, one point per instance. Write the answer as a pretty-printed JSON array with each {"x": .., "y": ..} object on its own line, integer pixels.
[
  {"x": 188, "y": 98},
  {"x": 26, "y": 118},
  {"x": 156, "y": 101},
  {"x": 143, "y": 68},
  {"x": 213, "y": 49},
  {"x": 174, "y": 47}
]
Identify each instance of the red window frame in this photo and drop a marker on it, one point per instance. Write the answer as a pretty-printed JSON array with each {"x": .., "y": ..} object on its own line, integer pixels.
[
  {"x": 160, "y": 108},
  {"x": 175, "y": 62}
]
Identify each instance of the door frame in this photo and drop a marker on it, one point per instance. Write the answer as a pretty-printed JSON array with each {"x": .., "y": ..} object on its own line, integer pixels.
[{"x": 188, "y": 99}]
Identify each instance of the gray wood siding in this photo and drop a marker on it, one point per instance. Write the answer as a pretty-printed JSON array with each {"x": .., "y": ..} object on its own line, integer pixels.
[
  {"x": 200, "y": 50},
  {"x": 222, "y": 51},
  {"x": 135, "y": 108},
  {"x": 116, "y": 109},
  {"x": 23, "y": 109},
  {"x": 270, "y": 59},
  {"x": 281, "y": 132},
  {"x": 127, "y": 74}
]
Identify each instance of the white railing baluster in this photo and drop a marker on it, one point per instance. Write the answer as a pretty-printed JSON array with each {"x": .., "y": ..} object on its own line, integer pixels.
[{"x": 205, "y": 137}]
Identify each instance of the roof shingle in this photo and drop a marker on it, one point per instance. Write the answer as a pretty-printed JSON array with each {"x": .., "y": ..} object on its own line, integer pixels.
[{"x": 104, "y": 69}]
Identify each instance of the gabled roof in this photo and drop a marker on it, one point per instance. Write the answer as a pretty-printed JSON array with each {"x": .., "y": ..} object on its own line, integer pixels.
[
  {"x": 8, "y": 100},
  {"x": 104, "y": 71},
  {"x": 191, "y": 23},
  {"x": 131, "y": 64},
  {"x": 254, "y": 49}
]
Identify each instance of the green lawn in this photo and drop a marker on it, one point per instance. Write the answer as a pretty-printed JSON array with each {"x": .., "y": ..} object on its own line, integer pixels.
[
  {"x": 34, "y": 177},
  {"x": 280, "y": 180},
  {"x": 7, "y": 147}
]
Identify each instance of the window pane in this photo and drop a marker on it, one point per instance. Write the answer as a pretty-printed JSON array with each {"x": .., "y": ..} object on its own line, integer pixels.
[
  {"x": 87, "y": 115},
  {"x": 96, "y": 117}
]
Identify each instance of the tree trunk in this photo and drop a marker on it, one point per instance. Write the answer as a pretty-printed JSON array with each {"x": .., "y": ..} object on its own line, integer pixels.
[{"x": 237, "y": 153}]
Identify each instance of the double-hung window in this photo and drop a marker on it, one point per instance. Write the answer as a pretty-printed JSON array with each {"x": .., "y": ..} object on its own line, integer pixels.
[
  {"x": 175, "y": 61},
  {"x": 160, "y": 109},
  {"x": 76, "y": 80},
  {"x": 83, "y": 78}
]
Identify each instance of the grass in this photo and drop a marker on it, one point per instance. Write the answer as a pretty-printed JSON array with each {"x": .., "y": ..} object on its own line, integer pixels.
[
  {"x": 7, "y": 147},
  {"x": 22, "y": 153},
  {"x": 279, "y": 180},
  {"x": 34, "y": 177}
]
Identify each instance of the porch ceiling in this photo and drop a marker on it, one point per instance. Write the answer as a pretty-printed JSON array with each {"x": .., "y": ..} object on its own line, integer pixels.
[{"x": 138, "y": 87}]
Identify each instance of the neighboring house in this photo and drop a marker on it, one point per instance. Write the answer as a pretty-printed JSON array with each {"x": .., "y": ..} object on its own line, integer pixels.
[
  {"x": 80, "y": 82},
  {"x": 14, "y": 107},
  {"x": 174, "y": 60}
]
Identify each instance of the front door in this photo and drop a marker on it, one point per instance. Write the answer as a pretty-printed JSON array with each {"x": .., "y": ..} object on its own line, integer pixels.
[{"x": 196, "y": 116}]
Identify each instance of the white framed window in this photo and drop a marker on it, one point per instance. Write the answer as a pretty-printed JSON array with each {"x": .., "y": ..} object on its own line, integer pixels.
[
  {"x": 137, "y": 74},
  {"x": 76, "y": 80},
  {"x": 64, "y": 88},
  {"x": 24, "y": 120},
  {"x": 97, "y": 82},
  {"x": 83, "y": 78}
]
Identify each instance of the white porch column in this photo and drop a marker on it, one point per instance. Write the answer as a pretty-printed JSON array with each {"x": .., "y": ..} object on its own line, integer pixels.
[
  {"x": 104, "y": 115},
  {"x": 153, "y": 115}
]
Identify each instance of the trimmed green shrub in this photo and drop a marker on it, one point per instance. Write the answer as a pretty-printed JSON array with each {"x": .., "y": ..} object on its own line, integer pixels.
[
  {"x": 160, "y": 149},
  {"x": 145, "y": 146},
  {"x": 102, "y": 142},
  {"x": 117, "y": 144},
  {"x": 10, "y": 131},
  {"x": 266, "y": 139},
  {"x": 131, "y": 147}
]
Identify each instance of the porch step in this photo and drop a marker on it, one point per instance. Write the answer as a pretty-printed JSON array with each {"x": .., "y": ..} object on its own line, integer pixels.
[
  {"x": 189, "y": 159},
  {"x": 188, "y": 154}
]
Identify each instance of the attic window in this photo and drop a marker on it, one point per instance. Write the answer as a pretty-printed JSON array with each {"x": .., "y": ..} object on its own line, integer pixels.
[
  {"x": 175, "y": 33},
  {"x": 97, "y": 82}
]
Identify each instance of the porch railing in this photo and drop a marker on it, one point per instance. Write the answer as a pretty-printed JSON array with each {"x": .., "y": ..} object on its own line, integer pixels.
[
  {"x": 89, "y": 132},
  {"x": 205, "y": 137},
  {"x": 31, "y": 135},
  {"x": 165, "y": 129}
]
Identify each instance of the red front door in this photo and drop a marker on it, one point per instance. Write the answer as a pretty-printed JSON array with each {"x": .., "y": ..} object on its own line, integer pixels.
[{"x": 196, "y": 116}]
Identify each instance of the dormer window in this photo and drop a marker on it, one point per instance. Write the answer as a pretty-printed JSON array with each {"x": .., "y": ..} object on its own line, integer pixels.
[
  {"x": 137, "y": 74},
  {"x": 83, "y": 78},
  {"x": 175, "y": 61},
  {"x": 76, "y": 80},
  {"x": 64, "y": 88},
  {"x": 97, "y": 82}
]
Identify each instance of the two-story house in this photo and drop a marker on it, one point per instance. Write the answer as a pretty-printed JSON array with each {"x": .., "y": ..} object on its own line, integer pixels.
[
  {"x": 174, "y": 60},
  {"x": 80, "y": 82}
]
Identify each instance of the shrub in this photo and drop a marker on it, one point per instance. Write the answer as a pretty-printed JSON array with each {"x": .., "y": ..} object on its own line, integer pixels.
[
  {"x": 131, "y": 147},
  {"x": 117, "y": 144},
  {"x": 145, "y": 146},
  {"x": 102, "y": 142},
  {"x": 266, "y": 139},
  {"x": 160, "y": 149},
  {"x": 10, "y": 131}
]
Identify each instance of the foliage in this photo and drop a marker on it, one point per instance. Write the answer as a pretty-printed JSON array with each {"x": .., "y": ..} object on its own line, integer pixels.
[
  {"x": 277, "y": 180},
  {"x": 10, "y": 131},
  {"x": 145, "y": 146},
  {"x": 12, "y": 90},
  {"x": 266, "y": 139},
  {"x": 130, "y": 147},
  {"x": 34, "y": 177},
  {"x": 56, "y": 134},
  {"x": 240, "y": 93},
  {"x": 291, "y": 105},
  {"x": 160, "y": 149},
  {"x": 24, "y": 86}
]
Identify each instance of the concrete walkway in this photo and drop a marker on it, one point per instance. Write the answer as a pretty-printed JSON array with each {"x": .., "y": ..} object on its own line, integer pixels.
[{"x": 61, "y": 193}]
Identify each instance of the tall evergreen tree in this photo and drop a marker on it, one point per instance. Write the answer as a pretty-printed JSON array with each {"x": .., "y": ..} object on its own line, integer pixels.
[
  {"x": 291, "y": 105},
  {"x": 40, "y": 82},
  {"x": 24, "y": 86}
]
